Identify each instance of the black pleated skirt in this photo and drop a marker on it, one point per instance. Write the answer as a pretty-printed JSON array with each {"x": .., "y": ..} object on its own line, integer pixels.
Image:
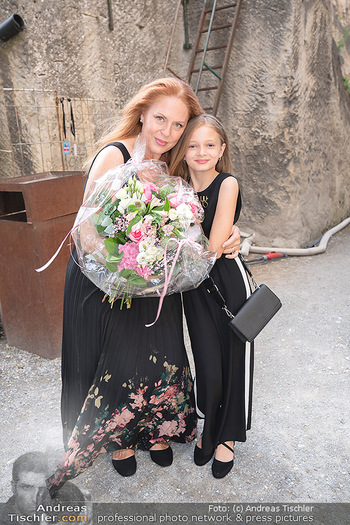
[{"x": 123, "y": 385}]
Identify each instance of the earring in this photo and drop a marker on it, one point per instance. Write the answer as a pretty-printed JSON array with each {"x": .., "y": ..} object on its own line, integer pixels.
[
  {"x": 220, "y": 158},
  {"x": 141, "y": 121}
]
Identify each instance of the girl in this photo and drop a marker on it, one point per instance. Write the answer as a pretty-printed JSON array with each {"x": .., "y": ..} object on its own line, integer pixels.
[{"x": 224, "y": 365}]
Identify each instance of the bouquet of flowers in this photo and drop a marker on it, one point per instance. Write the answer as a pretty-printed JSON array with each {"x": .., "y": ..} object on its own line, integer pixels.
[{"x": 138, "y": 233}]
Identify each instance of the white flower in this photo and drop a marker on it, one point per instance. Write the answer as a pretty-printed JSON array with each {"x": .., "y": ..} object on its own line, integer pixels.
[
  {"x": 142, "y": 258},
  {"x": 184, "y": 211},
  {"x": 151, "y": 254},
  {"x": 154, "y": 202},
  {"x": 143, "y": 245},
  {"x": 162, "y": 213},
  {"x": 139, "y": 186},
  {"x": 173, "y": 214},
  {"x": 122, "y": 194},
  {"x": 124, "y": 203},
  {"x": 131, "y": 216},
  {"x": 147, "y": 220},
  {"x": 140, "y": 205},
  {"x": 160, "y": 254}
]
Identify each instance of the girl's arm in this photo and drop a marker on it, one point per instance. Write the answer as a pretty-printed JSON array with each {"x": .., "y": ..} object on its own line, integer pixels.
[
  {"x": 224, "y": 215},
  {"x": 232, "y": 246}
]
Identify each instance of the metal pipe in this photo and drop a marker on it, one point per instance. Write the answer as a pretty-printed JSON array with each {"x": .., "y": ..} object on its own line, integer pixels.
[
  {"x": 187, "y": 44},
  {"x": 171, "y": 37},
  {"x": 321, "y": 248},
  {"x": 110, "y": 15},
  {"x": 11, "y": 27}
]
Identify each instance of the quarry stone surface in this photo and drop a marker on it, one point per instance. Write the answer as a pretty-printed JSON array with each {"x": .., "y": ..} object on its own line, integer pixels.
[{"x": 283, "y": 103}]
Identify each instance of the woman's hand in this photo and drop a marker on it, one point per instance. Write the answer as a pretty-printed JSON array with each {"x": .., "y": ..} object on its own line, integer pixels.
[
  {"x": 232, "y": 245},
  {"x": 90, "y": 240}
]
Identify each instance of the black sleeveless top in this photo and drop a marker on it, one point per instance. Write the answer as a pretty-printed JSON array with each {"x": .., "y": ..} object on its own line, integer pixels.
[
  {"x": 209, "y": 198},
  {"x": 120, "y": 146}
]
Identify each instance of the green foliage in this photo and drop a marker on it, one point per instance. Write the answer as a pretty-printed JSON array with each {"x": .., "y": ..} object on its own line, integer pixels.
[
  {"x": 343, "y": 39},
  {"x": 165, "y": 191},
  {"x": 347, "y": 84},
  {"x": 111, "y": 245},
  {"x": 133, "y": 277},
  {"x": 113, "y": 258},
  {"x": 135, "y": 220}
]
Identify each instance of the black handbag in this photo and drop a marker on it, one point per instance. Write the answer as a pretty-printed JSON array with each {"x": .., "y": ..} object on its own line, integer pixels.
[{"x": 254, "y": 314}]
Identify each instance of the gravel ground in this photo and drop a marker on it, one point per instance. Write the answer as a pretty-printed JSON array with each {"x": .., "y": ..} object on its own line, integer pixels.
[{"x": 298, "y": 448}]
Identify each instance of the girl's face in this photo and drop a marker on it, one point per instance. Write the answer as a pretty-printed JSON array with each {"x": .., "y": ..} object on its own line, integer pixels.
[
  {"x": 163, "y": 124},
  {"x": 204, "y": 150}
]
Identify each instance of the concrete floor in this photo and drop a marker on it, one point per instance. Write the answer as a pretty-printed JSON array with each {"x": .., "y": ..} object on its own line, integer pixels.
[{"x": 298, "y": 448}]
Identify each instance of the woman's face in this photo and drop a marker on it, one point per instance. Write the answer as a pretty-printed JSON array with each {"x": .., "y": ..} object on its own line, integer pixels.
[{"x": 163, "y": 124}]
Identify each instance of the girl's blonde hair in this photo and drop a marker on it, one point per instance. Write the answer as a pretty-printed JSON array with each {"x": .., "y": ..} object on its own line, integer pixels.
[
  {"x": 129, "y": 124},
  {"x": 177, "y": 165}
]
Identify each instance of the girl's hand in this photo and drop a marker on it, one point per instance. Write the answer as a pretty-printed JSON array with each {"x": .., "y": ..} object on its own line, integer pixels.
[{"x": 232, "y": 245}]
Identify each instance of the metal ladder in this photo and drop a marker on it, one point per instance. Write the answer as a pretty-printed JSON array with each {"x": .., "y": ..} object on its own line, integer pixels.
[{"x": 211, "y": 52}]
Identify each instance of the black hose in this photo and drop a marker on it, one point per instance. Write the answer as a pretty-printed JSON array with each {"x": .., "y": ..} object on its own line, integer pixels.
[{"x": 11, "y": 27}]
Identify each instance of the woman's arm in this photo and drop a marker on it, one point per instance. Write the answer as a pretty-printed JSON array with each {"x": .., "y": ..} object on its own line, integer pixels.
[
  {"x": 224, "y": 215},
  {"x": 108, "y": 158}
]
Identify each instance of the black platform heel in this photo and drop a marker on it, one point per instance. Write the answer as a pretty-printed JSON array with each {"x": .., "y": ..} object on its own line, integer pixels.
[
  {"x": 221, "y": 468},
  {"x": 199, "y": 458},
  {"x": 163, "y": 458},
  {"x": 125, "y": 467}
]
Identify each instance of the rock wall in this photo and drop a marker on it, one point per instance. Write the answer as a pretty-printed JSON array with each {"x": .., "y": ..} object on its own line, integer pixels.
[
  {"x": 283, "y": 103},
  {"x": 69, "y": 46},
  {"x": 68, "y": 50},
  {"x": 289, "y": 120}
]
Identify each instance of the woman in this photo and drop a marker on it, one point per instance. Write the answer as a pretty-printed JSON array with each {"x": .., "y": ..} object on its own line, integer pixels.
[
  {"x": 126, "y": 386},
  {"x": 224, "y": 365}
]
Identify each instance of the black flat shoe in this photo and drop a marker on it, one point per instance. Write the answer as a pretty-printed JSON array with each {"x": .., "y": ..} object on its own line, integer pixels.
[
  {"x": 199, "y": 458},
  {"x": 125, "y": 467},
  {"x": 163, "y": 458},
  {"x": 221, "y": 468}
]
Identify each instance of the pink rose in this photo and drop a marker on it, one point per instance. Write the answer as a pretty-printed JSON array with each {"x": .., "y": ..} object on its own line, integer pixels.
[
  {"x": 175, "y": 199},
  {"x": 136, "y": 236},
  {"x": 148, "y": 187},
  {"x": 194, "y": 209}
]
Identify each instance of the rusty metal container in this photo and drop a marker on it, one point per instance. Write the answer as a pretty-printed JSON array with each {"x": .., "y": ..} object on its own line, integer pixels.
[{"x": 36, "y": 213}]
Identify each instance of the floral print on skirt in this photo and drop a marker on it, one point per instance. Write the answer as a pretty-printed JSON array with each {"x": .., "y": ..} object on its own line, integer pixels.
[{"x": 149, "y": 415}]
